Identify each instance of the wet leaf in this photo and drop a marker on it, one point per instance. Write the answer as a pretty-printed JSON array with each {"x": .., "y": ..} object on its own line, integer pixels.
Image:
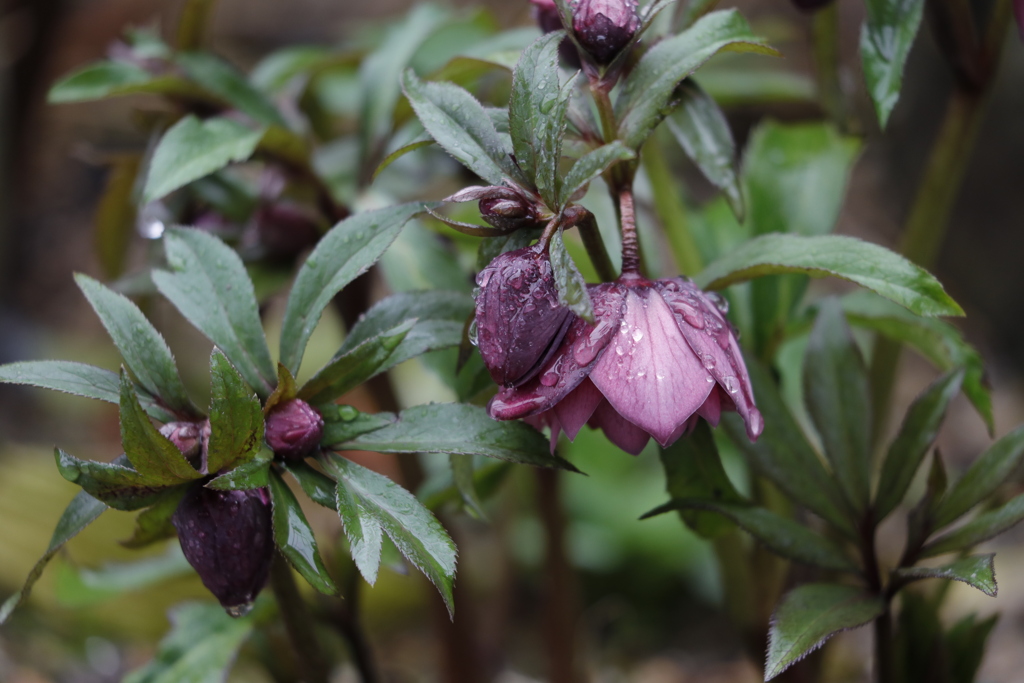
[
  {"x": 590, "y": 166},
  {"x": 231, "y": 85},
  {"x": 976, "y": 570},
  {"x": 105, "y": 79},
  {"x": 294, "y": 537},
  {"x": 236, "y": 417},
  {"x": 983, "y": 527},
  {"x": 572, "y": 290},
  {"x": 885, "y": 41},
  {"x": 154, "y": 457},
  {"x": 983, "y": 477}
]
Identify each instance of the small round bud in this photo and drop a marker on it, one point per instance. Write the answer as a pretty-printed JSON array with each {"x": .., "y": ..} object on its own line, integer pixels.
[
  {"x": 519, "y": 321},
  {"x": 189, "y": 438},
  {"x": 605, "y": 27},
  {"x": 227, "y": 537},
  {"x": 294, "y": 429},
  {"x": 507, "y": 213}
]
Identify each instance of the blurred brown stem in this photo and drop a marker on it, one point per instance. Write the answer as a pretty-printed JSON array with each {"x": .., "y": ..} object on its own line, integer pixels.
[{"x": 298, "y": 623}]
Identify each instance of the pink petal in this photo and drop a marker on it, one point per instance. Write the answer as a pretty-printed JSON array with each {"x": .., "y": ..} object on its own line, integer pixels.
[
  {"x": 619, "y": 431},
  {"x": 649, "y": 374},
  {"x": 711, "y": 338},
  {"x": 570, "y": 364},
  {"x": 574, "y": 410},
  {"x": 711, "y": 410}
]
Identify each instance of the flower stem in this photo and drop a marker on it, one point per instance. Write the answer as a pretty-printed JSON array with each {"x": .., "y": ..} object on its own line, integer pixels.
[
  {"x": 630, "y": 244},
  {"x": 584, "y": 221},
  {"x": 298, "y": 623},
  {"x": 605, "y": 110}
]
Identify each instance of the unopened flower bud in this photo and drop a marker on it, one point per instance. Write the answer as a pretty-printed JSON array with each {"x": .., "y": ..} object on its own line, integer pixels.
[
  {"x": 507, "y": 213},
  {"x": 188, "y": 437},
  {"x": 227, "y": 537},
  {"x": 294, "y": 429},
  {"x": 519, "y": 321},
  {"x": 605, "y": 27}
]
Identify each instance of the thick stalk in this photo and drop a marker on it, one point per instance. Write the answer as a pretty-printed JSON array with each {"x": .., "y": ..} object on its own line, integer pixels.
[
  {"x": 298, "y": 623},
  {"x": 630, "y": 243},
  {"x": 671, "y": 210}
]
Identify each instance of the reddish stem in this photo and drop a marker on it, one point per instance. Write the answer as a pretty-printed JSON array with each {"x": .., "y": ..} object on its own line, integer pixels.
[{"x": 630, "y": 245}]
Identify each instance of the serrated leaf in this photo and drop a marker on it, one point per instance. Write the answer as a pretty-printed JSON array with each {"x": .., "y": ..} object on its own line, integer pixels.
[
  {"x": 939, "y": 342},
  {"x": 315, "y": 484},
  {"x": 285, "y": 390},
  {"x": 192, "y": 149},
  {"x": 252, "y": 474},
  {"x": 590, "y": 166},
  {"x": 154, "y": 523},
  {"x": 200, "y": 648},
  {"x": 869, "y": 265},
  {"x": 976, "y": 570},
  {"x": 236, "y": 417},
  {"x": 413, "y": 529},
  {"x": 462, "y": 476},
  {"x": 344, "y": 253},
  {"x": 80, "y": 513},
  {"x": 647, "y": 93},
  {"x": 347, "y": 371},
  {"x": 78, "y": 379},
  {"x": 294, "y": 537},
  {"x": 231, "y": 85},
  {"x": 145, "y": 353},
  {"x": 457, "y": 428},
  {"x": 982, "y": 478},
  {"x": 114, "y": 483},
  {"x": 362, "y": 529},
  {"x": 343, "y": 423},
  {"x": 837, "y": 398},
  {"x": 701, "y": 129},
  {"x": 571, "y": 288},
  {"x": 779, "y": 534},
  {"x": 208, "y": 284},
  {"x": 458, "y": 122},
  {"x": 917, "y": 434},
  {"x": 810, "y": 615},
  {"x": 693, "y": 469},
  {"x": 537, "y": 109},
  {"x": 983, "y": 527},
  {"x": 154, "y": 457},
  {"x": 112, "y": 79},
  {"x": 885, "y": 41}
]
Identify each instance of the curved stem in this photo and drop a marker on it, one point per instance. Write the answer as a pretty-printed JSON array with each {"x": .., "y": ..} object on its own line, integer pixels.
[
  {"x": 298, "y": 623},
  {"x": 630, "y": 244}
]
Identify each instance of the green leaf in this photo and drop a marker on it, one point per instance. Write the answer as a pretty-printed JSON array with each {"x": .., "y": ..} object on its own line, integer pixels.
[
  {"x": 885, "y": 41},
  {"x": 796, "y": 177},
  {"x": 703, "y": 132},
  {"x": 252, "y": 474},
  {"x": 837, "y": 399},
  {"x": 116, "y": 484},
  {"x": 981, "y": 528},
  {"x": 344, "y": 253},
  {"x": 414, "y": 530},
  {"x": 783, "y": 455},
  {"x": 590, "y": 166},
  {"x": 343, "y": 423},
  {"x": 319, "y": 487},
  {"x": 154, "y": 457},
  {"x": 362, "y": 529},
  {"x": 989, "y": 471},
  {"x": 537, "y": 109},
  {"x": 650, "y": 88},
  {"x": 347, "y": 371},
  {"x": 111, "y": 79},
  {"x": 693, "y": 469},
  {"x": 572, "y": 290},
  {"x": 116, "y": 215},
  {"x": 79, "y": 379},
  {"x": 236, "y": 417},
  {"x": 457, "y": 428},
  {"x": 462, "y": 476},
  {"x": 154, "y": 523},
  {"x": 230, "y": 84},
  {"x": 810, "y": 615},
  {"x": 192, "y": 149},
  {"x": 294, "y": 537},
  {"x": 209, "y": 286},
  {"x": 976, "y": 570},
  {"x": 917, "y": 434},
  {"x": 938, "y": 341},
  {"x": 80, "y": 513},
  {"x": 966, "y": 647},
  {"x": 143, "y": 349},
  {"x": 438, "y": 317},
  {"x": 200, "y": 648},
  {"x": 380, "y": 73},
  {"x": 421, "y": 141},
  {"x": 847, "y": 258},
  {"x": 779, "y": 534},
  {"x": 458, "y": 122}
]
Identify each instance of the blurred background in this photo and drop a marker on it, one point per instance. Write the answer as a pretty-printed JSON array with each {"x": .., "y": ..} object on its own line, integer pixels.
[{"x": 648, "y": 593}]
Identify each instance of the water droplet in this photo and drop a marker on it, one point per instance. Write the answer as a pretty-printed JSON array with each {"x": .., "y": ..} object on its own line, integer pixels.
[
  {"x": 347, "y": 413},
  {"x": 619, "y": 350},
  {"x": 692, "y": 317},
  {"x": 720, "y": 302},
  {"x": 237, "y": 611},
  {"x": 638, "y": 334},
  {"x": 709, "y": 378},
  {"x": 484, "y": 277},
  {"x": 659, "y": 376},
  {"x": 474, "y": 333},
  {"x": 709, "y": 361},
  {"x": 549, "y": 379},
  {"x": 732, "y": 385},
  {"x": 755, "y": 423}
]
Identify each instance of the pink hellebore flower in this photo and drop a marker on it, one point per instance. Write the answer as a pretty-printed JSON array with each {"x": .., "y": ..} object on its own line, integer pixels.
[{"x": 660, "y": 355}]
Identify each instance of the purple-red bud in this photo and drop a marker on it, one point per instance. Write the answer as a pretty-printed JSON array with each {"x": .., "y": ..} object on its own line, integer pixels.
[
  {"x": 519, "y": 321},
  {"x": 294, "y": 429},
  {"x": 227, "y": 537},
  {"x": 190, "y": 439},
  {"x": 507, "y": 213},
  {"x": 605, "y": 27}
]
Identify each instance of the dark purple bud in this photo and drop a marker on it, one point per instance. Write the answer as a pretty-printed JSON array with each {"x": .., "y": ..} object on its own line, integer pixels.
[
  {"x": 508, "y": 214},
  {"x": 605, "y": 27},
  {"x": 294, "y": 429},
  {"x": 190, "y": 439},
  {"x": 227, "y": 537},
  {"x": 519, "y": 322}
]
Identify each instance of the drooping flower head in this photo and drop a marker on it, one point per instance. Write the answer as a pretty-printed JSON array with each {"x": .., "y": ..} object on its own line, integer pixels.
[
  {"x": 660, "y": 355},
  {"x": 294, "y": 429}
]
